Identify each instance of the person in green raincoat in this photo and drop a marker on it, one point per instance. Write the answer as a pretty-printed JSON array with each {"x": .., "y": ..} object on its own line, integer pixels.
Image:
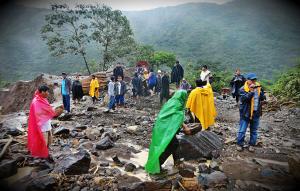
[{"x": 164, "y": 142}]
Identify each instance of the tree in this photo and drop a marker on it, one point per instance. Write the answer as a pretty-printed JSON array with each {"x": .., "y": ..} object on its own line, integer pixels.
[
  {"x": 163, "y": 58},
  {"x": 111, "y": 30},
  {"x": 65, "y": 33},
  {"x": 144, "y": 53}
]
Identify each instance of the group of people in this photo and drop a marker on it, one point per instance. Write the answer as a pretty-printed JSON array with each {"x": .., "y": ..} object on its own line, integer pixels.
[{"x": 197, "y": 102}]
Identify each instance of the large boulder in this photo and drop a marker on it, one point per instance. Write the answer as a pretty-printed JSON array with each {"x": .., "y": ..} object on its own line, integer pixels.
[
  {"x": 8, "y": 168},
  {"x": 76, "y": 164},
  {"x": 203, "y": 144},
  {"x": 216, "y": 178}
]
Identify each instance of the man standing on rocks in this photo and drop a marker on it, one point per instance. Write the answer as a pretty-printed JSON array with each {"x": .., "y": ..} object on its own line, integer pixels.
[
  {"x": 165, "y": 92},
  {"x": 66, "y": 91},
  {"x": 164, "y": 142},
  {"x": 251, "y": 95},
  {"x": 205, "y": 74},
  {"x": 137, "y": 86},
  {"x": 111, "y": 94},
  {"x": 77, "y": 90},
  {"x": 118, "y": 71},
  {"x": 177, "y": 74},
  {"x": 94, "y": 88},
  {"x": 39, "y": 124},
  {"x": 120, "y": 88},
  {"x": 201, "y": 104},
  {"x": 236, "y": 83},
  {"x": 158, "y": 83}
]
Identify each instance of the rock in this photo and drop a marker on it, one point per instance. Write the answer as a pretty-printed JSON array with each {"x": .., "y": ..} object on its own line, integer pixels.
[
  {"x": 129, "y": 167},
  {"x": 8, "y": 168},
  {"x": 294, "y": 165},
  {"x": 210, "y": 180},
  {"x": 81, "y": 127},
  {"x": 132, "y": 129},
  {"x": 104, "y": 164},
  {"x": 65, "y": 117},
  {"x": 86, "y": 145},
  {"x": 42, "y": 181},
  {"x": 199, "y": 145},
  {"x": 90, "y": 108},
  {"x": 92, "y": 134},
  {"x": 145, "y": 123},
  {"x": 76, "y": 188},
  {"x": 203, "y": 168},
  {"x": 214, "y": 165},
  {"x": 84, "y": 189},
  {"x": 187, "y": 173},
  {"x": 117, "y": 161},
  {"x": 76, "y": 164},
  {"x": 61, "y": 131},
  {"x": 278, "y": 120},
  {"x": 105, "y": 143},
  {"x": 116, "y": 125}
]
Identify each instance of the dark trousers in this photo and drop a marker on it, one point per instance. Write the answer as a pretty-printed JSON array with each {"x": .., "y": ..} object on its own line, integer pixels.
[
  {"x": 163, "y": 96},
  {"x": 95, "y": 99},
  {"x": 170, "y": 150},
  {"x": 237, "y": 98},
  {"x": 66, "y": 102}
]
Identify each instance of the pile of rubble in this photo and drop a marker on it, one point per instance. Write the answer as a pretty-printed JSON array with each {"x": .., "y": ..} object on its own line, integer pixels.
[{"x": 93, "y": 150}]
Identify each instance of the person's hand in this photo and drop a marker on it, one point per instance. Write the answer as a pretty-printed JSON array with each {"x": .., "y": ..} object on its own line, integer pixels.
[{"x": 59, "y": 111}]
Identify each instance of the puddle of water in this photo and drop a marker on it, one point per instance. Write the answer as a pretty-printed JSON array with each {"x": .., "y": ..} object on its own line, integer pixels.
[{"x": 22, "y": 172}]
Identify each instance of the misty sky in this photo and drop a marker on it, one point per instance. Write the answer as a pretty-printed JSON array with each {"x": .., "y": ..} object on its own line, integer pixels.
[{"x": 124, "y": 5}]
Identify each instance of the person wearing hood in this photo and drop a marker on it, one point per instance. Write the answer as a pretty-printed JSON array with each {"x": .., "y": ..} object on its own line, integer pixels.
[
  {"x": 77, "y": 91},
  {"x": 252, "y": 97},
  {"x": 168, "y": 123},
  {"x": 39, "y": 123},
  {"x": 94, "y": 88},
  {"x": 185, "y": 85}
]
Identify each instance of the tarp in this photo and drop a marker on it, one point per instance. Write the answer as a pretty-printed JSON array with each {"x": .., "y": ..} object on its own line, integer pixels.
[
  {"x": 40, "y": 112},
  {"x": 201, "y": 103},
  {"x": 169, "y": 120}
]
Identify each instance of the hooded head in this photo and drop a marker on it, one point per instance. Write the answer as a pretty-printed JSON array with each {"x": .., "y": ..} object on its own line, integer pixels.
[{"x": 181, "y": 96}]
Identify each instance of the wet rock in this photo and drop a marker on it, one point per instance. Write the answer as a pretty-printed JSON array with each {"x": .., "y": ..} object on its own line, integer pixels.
[
  {"x": 203, "y": 168},
  {"x": 199, "y": 145},
  {"x": 145, "y": 123},
  {"x": 8, "y": 168},
  {"x": 76, "y": 164},
  {"x": 132, "y": 129},
  {"x": 104, "y": 164},
  {"x": 93, "y": 134},
  {"x": 81, "y": 127},
  {"x": 210, "y": 180},
  {"x": 61, "y": 131},
  {"x": 117, "y": 161},
  {"x": 105, "y": 143},
  {"x": 41, "y": 181},
  {"x": 187, "y": 173},
  {"x": 294, "y": 165},
  {"x": 76, "y": 188},
  {"x": 129, "y": 167},
  {"x": 65, "y": 117},
  {"x": 90, "y": 108},
  {"x": 214, "y": 165},
  {"x": 86, "y": 145}
]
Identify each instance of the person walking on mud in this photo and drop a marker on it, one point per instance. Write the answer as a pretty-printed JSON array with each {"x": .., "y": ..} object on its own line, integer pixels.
[
  {"x": 39, "y": 123},
  {"x": 164, "y": 142},
  {"x": 251, "y": 95},
  {"x": 94, "y": 88},
  {"x": 236, "y": 83},
  {"x": 66, "y": 91}
]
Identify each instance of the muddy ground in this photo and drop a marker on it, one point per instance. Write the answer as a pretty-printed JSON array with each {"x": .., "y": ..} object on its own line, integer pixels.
[{"x": 93, "y": 150}]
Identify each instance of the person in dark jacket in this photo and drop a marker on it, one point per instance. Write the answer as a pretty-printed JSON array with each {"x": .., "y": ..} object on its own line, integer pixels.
[
  {"x": 120, "y": 90},
  {"x": 137, "y": 86},
  {"x": 158, "y": 82},
  {"x": 66, "y": 91},
  {"x": 236, "y": 83},
  {"x": 252, "y": 96},
  {"x": 165, "y": 92},
  {"x": 77, "y": 90},
  {"x": 118, "y": 71},
  {"x": 177, "y": 74}
]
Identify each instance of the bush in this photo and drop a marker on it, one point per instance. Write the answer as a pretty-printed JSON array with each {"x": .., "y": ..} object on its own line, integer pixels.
[{"x": 287, "y": 86}]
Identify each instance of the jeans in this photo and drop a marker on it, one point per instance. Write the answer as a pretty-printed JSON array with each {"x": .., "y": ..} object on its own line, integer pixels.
[
  {"x": 254, "y": 123},
  {"x": 120, "y": 99},
  {"x": 111, "y": 102},
  {"x": 66, "y": 102}
]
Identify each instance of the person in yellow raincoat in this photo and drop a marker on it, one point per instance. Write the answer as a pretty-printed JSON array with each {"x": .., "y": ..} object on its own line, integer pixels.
[
  {"x": 94, "y": 88},
  {"x": 201, "y": 104}
]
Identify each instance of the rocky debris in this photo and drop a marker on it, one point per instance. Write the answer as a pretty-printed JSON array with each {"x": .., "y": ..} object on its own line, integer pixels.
[
  {"x": 42, "y": 181},
  {"x": 203, "y": 168},
  {"x": 199, "y": 145},
  {"x": 91, "y": 108},
  {"x": 294, "y": 165},
  {"x": 93, "y": 133},
  {"x": 61, "y": 131},
  {"x": 79, "y": 163},
  {"x": 117, "y": 161},
  {"x": 129, "y": 167},
  {"x": 80, "y": 127},
  {"x": 216, "y": 178},
  {"x": 132, "y": 129},
  {"x": 105, "y": 143},
  {"x": 8, "y": 168},
  {"x": 65, "y": 117},
  {"x": 14, "y": 124}
]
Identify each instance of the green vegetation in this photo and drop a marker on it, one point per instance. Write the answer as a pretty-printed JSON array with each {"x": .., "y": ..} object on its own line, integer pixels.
[{"x": 287, "y": 86}]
